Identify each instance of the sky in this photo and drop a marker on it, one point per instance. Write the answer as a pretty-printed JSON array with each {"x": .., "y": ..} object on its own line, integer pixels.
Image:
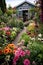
[{"x": 14, "y": 3}]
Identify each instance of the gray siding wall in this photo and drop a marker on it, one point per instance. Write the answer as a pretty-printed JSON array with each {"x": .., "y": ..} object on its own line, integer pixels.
[{"x": 25, "y": 6}]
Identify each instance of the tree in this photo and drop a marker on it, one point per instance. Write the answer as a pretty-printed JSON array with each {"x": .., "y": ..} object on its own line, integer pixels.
[
  {"x": 3, "y": 5},
  {"x": 41, "y": 7}
]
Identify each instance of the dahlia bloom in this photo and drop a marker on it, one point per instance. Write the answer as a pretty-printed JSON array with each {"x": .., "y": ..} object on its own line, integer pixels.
[{"x": 26, "y": 62}]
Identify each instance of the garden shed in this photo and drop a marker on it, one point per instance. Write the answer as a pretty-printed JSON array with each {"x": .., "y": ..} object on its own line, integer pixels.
[{"x": 23, "y": 10}]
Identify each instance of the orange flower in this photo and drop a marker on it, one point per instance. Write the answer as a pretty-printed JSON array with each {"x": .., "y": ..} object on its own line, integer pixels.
[
  {"x": 6, "y": 47},
  {"x": 7, "y": 50},
  {"x": 11, "y": 46},
  {"x": 10, "y": 51},
  {"x": 14, "y": 51}
]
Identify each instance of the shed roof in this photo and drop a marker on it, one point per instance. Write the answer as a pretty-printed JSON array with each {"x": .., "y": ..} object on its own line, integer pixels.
[{"x": 25, "y": 2}]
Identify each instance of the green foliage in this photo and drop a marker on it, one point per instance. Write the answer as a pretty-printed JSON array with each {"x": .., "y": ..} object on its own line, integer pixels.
[
  {"x": 35, "y": 13},
  {"x": 3, "y": 40},
  {"x": 7, "y": 36},
  {"x": 10, "y": 20},
  {"x": 4, "y": 18},
  {"x": 36, "y": 52},
  {"x": 26, "y": 38},
  {"x": 14, "y": 22},
  {"x": 41, "y": 29},
  {"x": 9, "y": 12},
  {"x": 37, "y": 17},
  {"x": 13, "y": 35},
  {"x": 21, "y": 25},
  {"x": 1, "y": 12},
  {"x": 15, "y": 11}
]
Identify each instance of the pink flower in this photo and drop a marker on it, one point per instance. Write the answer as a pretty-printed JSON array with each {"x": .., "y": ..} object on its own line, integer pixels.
[
  {"x": 15, "y": 58},
  {"x": 17, "y": 53},
  {"x": 26, "y": 62},
  {"x": 6, "y": 28},
  {"x": 0, "y": 28},
  {"x": 19, "y": 49},
  {"x": 27, "y": 52},
  {"x": 14, "y": 63},
  {"x": 22, "y": 53}
]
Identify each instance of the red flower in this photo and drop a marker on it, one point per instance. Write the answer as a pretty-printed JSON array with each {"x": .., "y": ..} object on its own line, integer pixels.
[
  {"x": 0, "y": 52},
  {"x": 8, "y": 32}
]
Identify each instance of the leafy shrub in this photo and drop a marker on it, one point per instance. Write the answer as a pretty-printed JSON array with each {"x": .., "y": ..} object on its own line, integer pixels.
[
  {"x": 4, "y": 18},
  {"x": 13, "y": 35},
  {"x": 26, "y": 38},
  {"x": 41, "y": 29},
  {"x": 1, "y": 12},
  {"x": 7, "y": 34},
  {"x": 14, "y": 22},
  {"x": 36, "y": 52},
  {"x": 21, "y": 25},
  {"x": 9, "y": 12}
]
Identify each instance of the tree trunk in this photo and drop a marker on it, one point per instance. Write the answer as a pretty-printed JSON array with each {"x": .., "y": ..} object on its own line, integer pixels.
[
  {"x": 3, "y": 5},
  {"x": 41, "y": 5}
]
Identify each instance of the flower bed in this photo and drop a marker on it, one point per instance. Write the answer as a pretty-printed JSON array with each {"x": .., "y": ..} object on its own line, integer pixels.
[
  {"x": 8, "y": 34},
  {"x": 35, "y": 47},
  {"x": 7, "y": 53},
  {"x": 33, "y": 29},
  {"x": 21, "y": 57}
]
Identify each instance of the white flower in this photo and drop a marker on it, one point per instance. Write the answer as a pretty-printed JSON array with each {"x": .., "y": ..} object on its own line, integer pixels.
[
  {"x": 33, "y": 39},
  {"x": 39, "y": 39},
  {"x": 40, "y": 35},
  {"x": 7, "y": 57}
]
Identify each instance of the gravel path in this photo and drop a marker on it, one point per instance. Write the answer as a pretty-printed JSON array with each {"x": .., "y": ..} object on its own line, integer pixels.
[{"x": 19, "y": 35}]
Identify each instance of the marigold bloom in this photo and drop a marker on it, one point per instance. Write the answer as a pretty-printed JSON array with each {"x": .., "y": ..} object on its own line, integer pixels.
[
  {"x": 7, "y": 50},
  {"x": 11, "y": 46}
]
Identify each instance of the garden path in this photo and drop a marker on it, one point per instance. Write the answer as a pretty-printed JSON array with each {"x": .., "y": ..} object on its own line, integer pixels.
[{"x": 19, "y": 35}]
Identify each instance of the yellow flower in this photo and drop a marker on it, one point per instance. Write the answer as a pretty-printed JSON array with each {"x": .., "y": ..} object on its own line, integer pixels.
[{"x": 31, "y": 26}]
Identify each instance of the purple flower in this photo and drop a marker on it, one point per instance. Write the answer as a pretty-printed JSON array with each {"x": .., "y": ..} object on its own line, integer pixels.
[{"x": 26, "y": 62}]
